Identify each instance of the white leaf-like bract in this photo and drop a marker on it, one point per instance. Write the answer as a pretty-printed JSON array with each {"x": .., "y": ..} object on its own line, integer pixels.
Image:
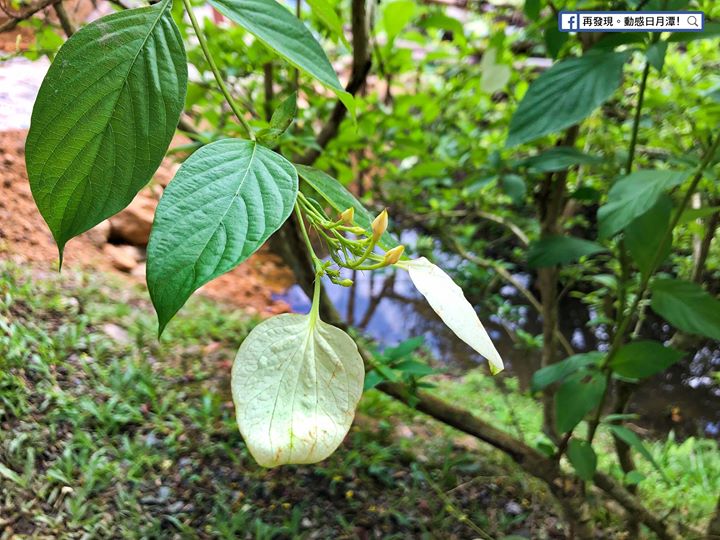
[
  {"x": 448, "y": 301},
  {"x": 296, "y": 382}
]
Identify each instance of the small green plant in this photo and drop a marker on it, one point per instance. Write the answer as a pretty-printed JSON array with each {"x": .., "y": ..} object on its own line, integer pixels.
[{"x": 103, "y": 121}]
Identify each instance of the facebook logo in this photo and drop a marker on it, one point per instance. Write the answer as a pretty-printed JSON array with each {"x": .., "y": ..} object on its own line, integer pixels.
[{"x": 569, "y": 21}]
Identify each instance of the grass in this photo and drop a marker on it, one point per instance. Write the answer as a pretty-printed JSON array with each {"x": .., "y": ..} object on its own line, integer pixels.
[{"x": 106, "y": 432}]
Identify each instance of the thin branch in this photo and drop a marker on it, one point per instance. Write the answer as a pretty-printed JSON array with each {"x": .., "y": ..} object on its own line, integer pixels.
[
  {"x": 65, "y": 21},
  {"x": 29, "y": 12}
]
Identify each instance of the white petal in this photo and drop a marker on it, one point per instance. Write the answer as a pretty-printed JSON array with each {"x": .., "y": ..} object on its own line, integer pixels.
[
  {"x": 295, "y": 384},
  {"x": 448, "y": 301}
]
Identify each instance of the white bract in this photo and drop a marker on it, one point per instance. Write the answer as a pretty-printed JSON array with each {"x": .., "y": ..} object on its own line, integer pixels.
[
  {"x": 448, "y": 301},
  {"x": 296, "y": 382}
]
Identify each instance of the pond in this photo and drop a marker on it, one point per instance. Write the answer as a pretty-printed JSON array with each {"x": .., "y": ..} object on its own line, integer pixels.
[{"x": 386, "y": 306}]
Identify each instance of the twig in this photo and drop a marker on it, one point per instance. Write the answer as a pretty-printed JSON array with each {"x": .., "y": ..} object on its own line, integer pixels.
[{"x": 65, "y": 21}]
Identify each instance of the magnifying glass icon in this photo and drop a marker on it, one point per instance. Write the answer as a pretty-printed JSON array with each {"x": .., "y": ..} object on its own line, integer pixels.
[{"x": 692, "y": 21}]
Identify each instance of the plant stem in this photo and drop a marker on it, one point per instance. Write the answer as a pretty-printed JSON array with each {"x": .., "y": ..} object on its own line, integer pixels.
[
  {"x": 645, "y": 281},
  {"x": 636, "y": 119},
  {"x": 216, "y": 71},
  {"x": 316, "y": 261}
]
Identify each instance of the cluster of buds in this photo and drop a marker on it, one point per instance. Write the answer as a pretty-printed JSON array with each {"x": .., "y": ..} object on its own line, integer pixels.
[{"x": 360, "y": 254}]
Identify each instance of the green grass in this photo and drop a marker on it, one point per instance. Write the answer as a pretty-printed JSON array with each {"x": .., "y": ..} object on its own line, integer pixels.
[{"x": 106, "y": 432}]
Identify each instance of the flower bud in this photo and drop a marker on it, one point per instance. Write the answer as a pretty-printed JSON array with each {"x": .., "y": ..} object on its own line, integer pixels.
[
  {"x": 379, "y": 225},
  {"x": 348, "y": 215},
  {"x": 393, "y": 255},
  {"x": 345, "y": 282}
]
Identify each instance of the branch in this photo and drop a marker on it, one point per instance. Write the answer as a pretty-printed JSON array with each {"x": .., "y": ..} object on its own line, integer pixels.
[
  {"x": 65, "y": 21},
  {"x": 360, "y": 69},
  {"x": 29, "y": 12}
]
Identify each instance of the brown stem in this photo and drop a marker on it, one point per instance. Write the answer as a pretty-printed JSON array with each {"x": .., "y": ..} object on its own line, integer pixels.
[
  {"x": 551, "y": 202},
  {"x": 11, "y": 23},
  {"x": 65, "y": 21},
  {"x": 269, "y": 91}
]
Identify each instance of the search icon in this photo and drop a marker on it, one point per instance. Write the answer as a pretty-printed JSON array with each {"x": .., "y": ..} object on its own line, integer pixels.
[{"x": 692, "y": 21}]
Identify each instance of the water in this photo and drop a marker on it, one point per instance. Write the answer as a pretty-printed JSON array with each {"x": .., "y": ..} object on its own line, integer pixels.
[{"x": 386, "y": 306}]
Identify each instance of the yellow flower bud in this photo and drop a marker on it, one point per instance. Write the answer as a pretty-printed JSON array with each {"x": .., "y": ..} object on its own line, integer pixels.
[
  {"x": 393, "y": 255},
  {"x": 348, "y": 215},
  {"x": 345, "y": 282},
  {"x": 379, "y": 225}
]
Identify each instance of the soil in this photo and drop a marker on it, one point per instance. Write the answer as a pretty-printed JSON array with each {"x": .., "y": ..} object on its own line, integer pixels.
[{"x": 25, "y": 238}]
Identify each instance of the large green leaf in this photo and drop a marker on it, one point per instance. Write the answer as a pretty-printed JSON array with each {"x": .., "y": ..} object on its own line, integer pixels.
[
  {"x": 341, "y": 199},
  {"x": 710, "y": 31},
  {"x": 559, "y": 158},
  {"x": 646, "y": 236},
  {"x": 633, "y": 195},
  {"x": 224, "y": 202},
  {"x": 686, "y": 306},
  {"x": 276, "y": 27},
  {"x": 296, "y": 382},
  {"x": 643, "y": 358},
  {"x": 583, "y": 458},
  {"x": 553, "y": 373},
  {"x": 104, "y": 117},
  {"x": 566, "y": 94},
  {"x": 576, "y": 397},
  {"x": 560, "y": 250},
  {"x": 324, "y": 11}
]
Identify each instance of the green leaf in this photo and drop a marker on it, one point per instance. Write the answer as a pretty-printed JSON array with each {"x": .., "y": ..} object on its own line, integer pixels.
[
  {"x": 341, "y": 199},
  {"x": 633, "y": 195},
  {"x": 296, "y": 382},
  {"x": 691, "y": 214},
  {"x": 580, "y": 394},
  {"x": 711, "y": 31},
  {"x": 494, "y": 75},
  {"x": 404, "y": 349},
  {"x": 224, "y": 202},
  {"x": 553, "y": 373},
  {"x": 566, "y": 94},
  {"x": 396, "y": 15},
  {"x": 414, "y": 368},
  {"x": 372, "y": 379},
  {"x": 532, "y": 9},
  {"x": 514, "y": 187},
  {"x": 645, "y": 237},
  {"x": 633, "y": 477},
  {"x": 656, "y": 54},
  {"x": 438, "y": 19},
  {"x": 326, "y": 13},
  {"x": 582, "y": 457},
  {"x": 104, "y": 117},
  {"x": 687, "y": 307},
  {"x": 554, "y": 38},
  {"x": 643, "y": 358},
  {"x": 560, "y": 250},
  {"x": 632, "y": 440},
  {"x": 559, "y": 158},
  {"x": 280, "y": 30},
  {"x": 611, "y": 40},
  {"x": 281, "y": 120}
]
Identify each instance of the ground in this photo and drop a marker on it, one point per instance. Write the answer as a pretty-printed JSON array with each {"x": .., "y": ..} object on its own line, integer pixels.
[{"x": 107, "y": 432}]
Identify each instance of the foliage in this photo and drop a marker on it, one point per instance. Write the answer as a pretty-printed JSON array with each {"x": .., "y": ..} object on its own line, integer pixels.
[{"x": 597, "y": 178}]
